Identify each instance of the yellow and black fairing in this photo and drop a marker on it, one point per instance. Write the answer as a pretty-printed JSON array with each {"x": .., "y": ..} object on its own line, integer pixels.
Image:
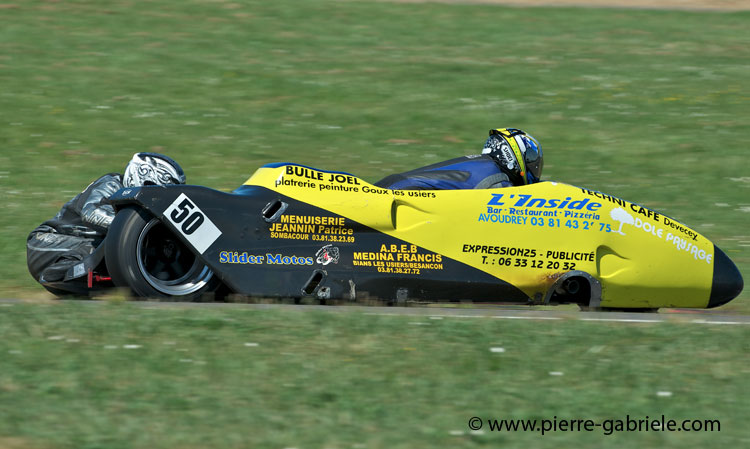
[
  {"x": 291, "y": 231},
  {"x": 525, "y": 238}
]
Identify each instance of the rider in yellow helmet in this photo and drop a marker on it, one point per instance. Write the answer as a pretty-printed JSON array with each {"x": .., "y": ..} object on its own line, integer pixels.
[{"x": 510, "y": 157}]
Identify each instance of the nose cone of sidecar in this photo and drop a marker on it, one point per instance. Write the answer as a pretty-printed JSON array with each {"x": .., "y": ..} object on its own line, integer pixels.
[{"x": 727, "y": 281}]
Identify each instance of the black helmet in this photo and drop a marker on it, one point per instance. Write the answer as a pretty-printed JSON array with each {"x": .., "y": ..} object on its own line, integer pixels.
[
  {"x": 519, "y": 154},
  {"x": 152, "y": 169}
]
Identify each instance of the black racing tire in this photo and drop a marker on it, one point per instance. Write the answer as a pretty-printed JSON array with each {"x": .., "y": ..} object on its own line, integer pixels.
[{"x": 144, "y": 255}]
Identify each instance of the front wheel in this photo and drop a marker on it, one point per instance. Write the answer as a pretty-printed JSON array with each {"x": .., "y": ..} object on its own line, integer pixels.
[{"x": 143, "y": 254}]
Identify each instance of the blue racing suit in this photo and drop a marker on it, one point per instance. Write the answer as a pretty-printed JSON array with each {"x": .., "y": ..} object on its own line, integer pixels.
[{"x": 467, "y": 172}]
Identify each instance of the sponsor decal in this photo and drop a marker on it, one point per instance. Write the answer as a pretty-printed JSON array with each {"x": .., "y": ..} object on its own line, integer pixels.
[
  {"x": 529, "y": 201},
  {"x": 234, "y": 257},
  {"x": 315, "y": 175},
  {"x": 528, "y": 257},
  {"x": 499, "y": 250},
  {"x": 327, "y": 254},
  {"x": 278, "y": 259},
  {"x": 416, "y": 193},
  {"x": 244, "y": 258},
  {"x": 530, "y": 210},
  {"x": 304, "y": 177},
  {"x": 679, "y": 227},
  {"x": 682, "y": 244},
  {"x": 583, "y": 214},
  {"x": 406, "y": 193},
  {"x": 507, "y": 156},
  {"x": 308, "y": 178},
  {"x": 623, "y": 217},
  {"x": 398, "y": 259},
  {"x": 604, "y": 196},
  {"x": 502, "y": 151},
  {"x": 570, "y": 255},
  {"x": 312, "y": 228},
  {"x": 640, "y": 210},
  {"x": 377, "y": 190}
]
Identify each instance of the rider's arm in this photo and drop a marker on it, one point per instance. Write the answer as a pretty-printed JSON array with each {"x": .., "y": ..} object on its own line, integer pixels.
[{"x": 95, "y": 211}]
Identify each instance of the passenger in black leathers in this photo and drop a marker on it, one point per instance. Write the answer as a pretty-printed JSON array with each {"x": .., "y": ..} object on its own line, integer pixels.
[{"x": 62, "y": 242}]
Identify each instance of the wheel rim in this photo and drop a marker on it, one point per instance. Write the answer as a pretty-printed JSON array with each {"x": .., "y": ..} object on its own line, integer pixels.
[{"x": 167, "y": 264}]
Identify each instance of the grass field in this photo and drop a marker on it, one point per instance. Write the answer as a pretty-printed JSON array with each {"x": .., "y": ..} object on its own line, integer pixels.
[
  {"x": 124, "y": 376},
  {"x": 648, "y": 105}
]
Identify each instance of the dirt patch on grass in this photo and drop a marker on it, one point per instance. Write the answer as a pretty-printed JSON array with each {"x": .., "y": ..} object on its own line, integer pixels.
[{"x": 716, "y": 5}]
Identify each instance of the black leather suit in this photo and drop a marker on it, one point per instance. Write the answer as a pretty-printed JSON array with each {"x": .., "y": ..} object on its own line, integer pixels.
[{"x": 74, "y": 233}]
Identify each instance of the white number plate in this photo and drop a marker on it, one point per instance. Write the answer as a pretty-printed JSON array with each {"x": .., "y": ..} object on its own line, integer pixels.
[{"x": 192, "y": 223}]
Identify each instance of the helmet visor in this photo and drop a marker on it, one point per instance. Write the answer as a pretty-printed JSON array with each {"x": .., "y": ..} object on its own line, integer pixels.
[{"x": 533, "y": 158}]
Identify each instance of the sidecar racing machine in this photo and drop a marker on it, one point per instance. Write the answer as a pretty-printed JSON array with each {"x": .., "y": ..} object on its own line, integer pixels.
[{"x": 295, "y": 231}]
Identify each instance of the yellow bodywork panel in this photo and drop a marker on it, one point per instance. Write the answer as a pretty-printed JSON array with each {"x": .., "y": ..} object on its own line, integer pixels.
[{"x": 528, "y": 236}]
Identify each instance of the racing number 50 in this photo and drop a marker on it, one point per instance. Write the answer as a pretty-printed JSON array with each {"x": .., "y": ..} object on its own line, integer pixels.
[{"x": 189, "y": 223}]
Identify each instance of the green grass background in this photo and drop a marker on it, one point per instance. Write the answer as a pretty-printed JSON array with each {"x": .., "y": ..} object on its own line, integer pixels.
[
  {"x": 125, "y": 376},
  {"x": 648, "y": 105}
]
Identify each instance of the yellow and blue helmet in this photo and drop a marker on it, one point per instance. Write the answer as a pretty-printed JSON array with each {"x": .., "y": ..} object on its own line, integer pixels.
[{"x": 518, "y": 154}]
